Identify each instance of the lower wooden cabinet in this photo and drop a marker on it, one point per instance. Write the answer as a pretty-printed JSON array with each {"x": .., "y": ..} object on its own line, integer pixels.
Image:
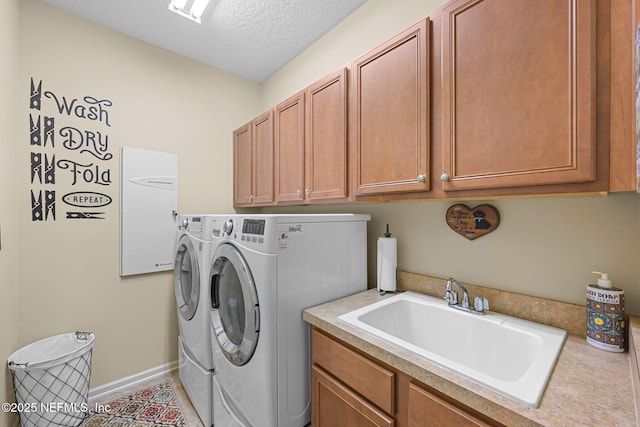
[
  {"x": 352, "y": 389},
  {"x": 335, "y": 404},
  {"x": 428, "y": 410},
  {"x": 365, "y": 377}
]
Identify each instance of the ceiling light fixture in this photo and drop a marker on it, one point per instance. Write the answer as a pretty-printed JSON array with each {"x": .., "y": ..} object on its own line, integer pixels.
[{"x": 192, "y": 11}]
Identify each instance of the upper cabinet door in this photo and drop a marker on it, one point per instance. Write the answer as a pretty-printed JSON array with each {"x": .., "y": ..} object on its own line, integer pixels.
[
  {"x": 289, "y": 149},
  {"x": 390, "y": 115},
  {"x": 518, "y": 92},
  {"x": 262, "y": 137},
  {"x": 242, "y": 166},
  {"x": 326, "y": 138}
]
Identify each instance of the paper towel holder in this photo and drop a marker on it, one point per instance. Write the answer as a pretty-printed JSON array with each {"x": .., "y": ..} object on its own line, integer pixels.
[{"x": 387, "y": 263}]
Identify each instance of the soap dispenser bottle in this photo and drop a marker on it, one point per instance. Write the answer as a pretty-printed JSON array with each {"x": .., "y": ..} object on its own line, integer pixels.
[{"x": 606, "y": 321}]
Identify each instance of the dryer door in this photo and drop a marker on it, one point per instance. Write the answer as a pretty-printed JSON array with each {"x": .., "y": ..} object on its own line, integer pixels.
[
  {"x": 186, "y": 278},
  {"x": 235, "y": 313}
]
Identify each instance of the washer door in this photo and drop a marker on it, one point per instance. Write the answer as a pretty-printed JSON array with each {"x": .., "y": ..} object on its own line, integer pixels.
[
  {"x": 186, "y": 278},
  {"x": 235, "y": 313}
]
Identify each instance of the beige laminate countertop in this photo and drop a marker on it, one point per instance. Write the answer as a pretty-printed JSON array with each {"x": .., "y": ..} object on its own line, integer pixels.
[{"x": 588, "y": 387}]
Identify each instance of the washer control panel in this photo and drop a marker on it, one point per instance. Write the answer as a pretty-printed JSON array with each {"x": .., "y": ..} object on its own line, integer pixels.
[
  {"x": 200, "y": 227},
  {"x": 193, "y": 225}
]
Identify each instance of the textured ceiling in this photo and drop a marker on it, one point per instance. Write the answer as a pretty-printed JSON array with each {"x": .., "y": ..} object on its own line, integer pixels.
[{"x": 249, "y": 38}]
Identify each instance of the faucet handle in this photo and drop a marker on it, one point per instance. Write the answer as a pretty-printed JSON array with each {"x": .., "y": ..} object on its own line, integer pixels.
[{"x": 480, "y": 304}]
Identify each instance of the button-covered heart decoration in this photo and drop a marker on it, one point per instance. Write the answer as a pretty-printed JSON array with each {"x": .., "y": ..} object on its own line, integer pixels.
[{"x": 473, "y": 223}]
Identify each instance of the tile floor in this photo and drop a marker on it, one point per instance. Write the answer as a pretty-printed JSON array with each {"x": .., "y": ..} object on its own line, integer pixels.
[{"x": 190, "y": 415}]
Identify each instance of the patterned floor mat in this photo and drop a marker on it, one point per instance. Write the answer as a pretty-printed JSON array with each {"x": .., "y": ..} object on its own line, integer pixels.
[{"x": 152, "y": 407}]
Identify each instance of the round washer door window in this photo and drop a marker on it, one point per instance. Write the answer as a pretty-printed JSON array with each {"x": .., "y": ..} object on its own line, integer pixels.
[
  {"x": 186, "y": 278},
  {"x": 235, "y": 313}
]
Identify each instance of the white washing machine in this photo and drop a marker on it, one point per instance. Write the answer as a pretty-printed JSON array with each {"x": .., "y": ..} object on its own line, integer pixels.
[
  {"x": 191, "y": 278},
  {"x": 265, "y": 271}
]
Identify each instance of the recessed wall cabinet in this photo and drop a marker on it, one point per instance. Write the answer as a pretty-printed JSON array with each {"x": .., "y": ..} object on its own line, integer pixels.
[
  {"x": 311, "y": 143},
  {"x": 349, "y": 388},
  {"x": 389, "y": 115},
  {"x": 518, "y": 93},
  {"x": 253, "y": 162}
]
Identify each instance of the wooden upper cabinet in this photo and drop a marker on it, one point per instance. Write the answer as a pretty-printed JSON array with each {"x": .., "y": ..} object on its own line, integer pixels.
[
  {"x": 310, "y": 144},
  {"x": 242, "y": 166},
  {"x": 390, "y": 115},
  {"x": 326, "y": 138},
  {"x": 624, "y": 19},
  {"x": 518, "y": 93},
  {"x": 253, "y": 162},
  {"x": 262, "y": 132},
  {"x": 289, "y": 149}
]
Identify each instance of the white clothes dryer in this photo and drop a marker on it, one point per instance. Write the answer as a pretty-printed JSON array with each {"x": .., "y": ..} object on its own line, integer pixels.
[
  {"x": 264, "y": 272},
  {"x": 191, "y": 279}
]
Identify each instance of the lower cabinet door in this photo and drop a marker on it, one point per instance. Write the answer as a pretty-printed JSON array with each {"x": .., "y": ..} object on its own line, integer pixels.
[{"x": 334, "y": 404}]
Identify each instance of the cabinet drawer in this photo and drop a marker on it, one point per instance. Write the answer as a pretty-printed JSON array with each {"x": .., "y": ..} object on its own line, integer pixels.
[
  {"x": 334, "y": 404},
  {"x": 427, "y": 410},
  {"x": 367, "y": 378}
]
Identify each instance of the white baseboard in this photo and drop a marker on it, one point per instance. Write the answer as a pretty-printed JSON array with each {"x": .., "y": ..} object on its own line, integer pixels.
[{"x": 101, "y": 391}]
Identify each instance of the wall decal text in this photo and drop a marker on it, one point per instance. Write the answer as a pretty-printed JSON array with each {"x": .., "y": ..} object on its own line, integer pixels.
[{"x": 82, "y": 157}]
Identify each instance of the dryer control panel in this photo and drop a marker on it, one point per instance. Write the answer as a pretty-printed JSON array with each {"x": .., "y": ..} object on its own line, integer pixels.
[
  {"x": 253, "y": 230},
  {"x": 253, "y": 226},
  {"x": 254, "y": 233}
]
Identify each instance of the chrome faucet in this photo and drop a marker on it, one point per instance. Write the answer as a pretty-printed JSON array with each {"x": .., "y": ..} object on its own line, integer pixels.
[{"x": 451, "y": 296}]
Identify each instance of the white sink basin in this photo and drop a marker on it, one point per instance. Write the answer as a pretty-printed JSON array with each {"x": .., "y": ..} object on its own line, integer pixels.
[{"x": 512, "y": 356}]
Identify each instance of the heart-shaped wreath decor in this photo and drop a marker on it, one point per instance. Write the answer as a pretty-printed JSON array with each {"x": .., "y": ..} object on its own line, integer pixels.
[{"x": 473, "y": 223}]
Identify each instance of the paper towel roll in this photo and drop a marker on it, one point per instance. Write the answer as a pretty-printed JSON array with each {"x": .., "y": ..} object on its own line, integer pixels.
[{"x": 387, "y": 263}]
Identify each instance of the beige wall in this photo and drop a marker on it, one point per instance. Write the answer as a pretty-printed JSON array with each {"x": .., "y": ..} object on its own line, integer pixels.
[
  {"x": 543, "y": 247},
  {"x": 8, "y": 190},
  {"x": 69, "y": 277}
]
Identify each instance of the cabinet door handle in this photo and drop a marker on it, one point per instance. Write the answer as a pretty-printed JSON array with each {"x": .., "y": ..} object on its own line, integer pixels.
[
  {"x": 299, "y": 192},
  {"x": 307, "y": 191},
  {"x": 444, "y": 177},
  {"x": 421, "y": 178}
]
